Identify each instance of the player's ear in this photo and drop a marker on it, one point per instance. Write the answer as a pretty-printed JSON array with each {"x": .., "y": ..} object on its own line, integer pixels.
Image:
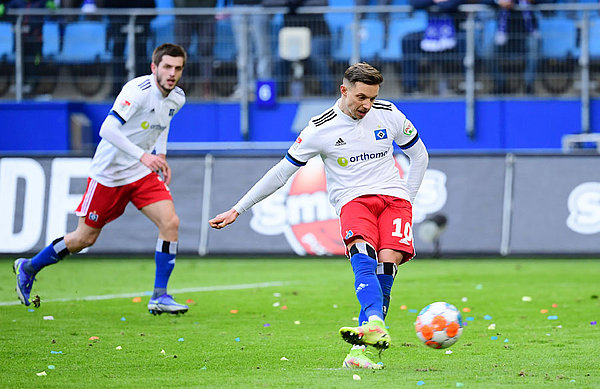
[
  {"x": 343, "y": 89},
  {"x": 153, "y": 67}
]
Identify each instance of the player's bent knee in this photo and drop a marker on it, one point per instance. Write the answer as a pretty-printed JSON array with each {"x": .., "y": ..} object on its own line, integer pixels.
[
  {"x": 363, "y": 248},
  {"x": 363, "y": 258}
]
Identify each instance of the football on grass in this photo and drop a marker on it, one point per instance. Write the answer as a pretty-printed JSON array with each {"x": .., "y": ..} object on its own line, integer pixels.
[{"x": 439, "y": 325}]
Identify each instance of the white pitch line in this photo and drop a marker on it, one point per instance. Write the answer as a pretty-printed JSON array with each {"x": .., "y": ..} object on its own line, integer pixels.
[{"x": 172, "y": 291}]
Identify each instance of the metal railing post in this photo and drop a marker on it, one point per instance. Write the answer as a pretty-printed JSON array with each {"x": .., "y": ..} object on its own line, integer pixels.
[
  {"x": 584, "y": 63},
  {"x": 355, "y": 39},
  {"x": 130, "y": 62},
  {"x": 469, "y": 63},
  {"x": 243, "y": 83},
  {"x": 19, "y": 58}
]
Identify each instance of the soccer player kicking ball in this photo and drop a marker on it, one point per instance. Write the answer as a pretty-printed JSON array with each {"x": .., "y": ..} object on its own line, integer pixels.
[
  {"x": 354, "y": 139},
  {"x": 124, "y": 169}
]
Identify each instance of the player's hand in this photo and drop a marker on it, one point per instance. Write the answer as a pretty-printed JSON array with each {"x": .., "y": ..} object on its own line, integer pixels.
[
  {"x": 157, "y": 164},
  {"x": 223, "y": 219},
  {"x": 166, "y": 173}
]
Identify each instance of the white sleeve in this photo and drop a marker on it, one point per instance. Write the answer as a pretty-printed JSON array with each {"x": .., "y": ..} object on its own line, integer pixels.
[
  {"x": 110, "y": 131},
  {"x": 161, "y": 142},
  {"x": 419, "y": 159},
  {"x": 274, "y": 179}
]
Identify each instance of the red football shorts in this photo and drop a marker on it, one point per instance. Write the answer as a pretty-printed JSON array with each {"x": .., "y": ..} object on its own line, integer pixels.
[
  {"x": 383, "y": 221},
  {"x": 102, "y": 204}
]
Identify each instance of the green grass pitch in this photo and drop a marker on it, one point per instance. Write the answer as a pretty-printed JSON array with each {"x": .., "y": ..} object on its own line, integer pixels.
[{"x": 274, "y": 323}]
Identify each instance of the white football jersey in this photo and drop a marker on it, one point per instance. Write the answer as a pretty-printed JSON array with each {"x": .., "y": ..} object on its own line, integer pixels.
[
  {"x": 145, "y": 116},
  {"x": 358, "y": 154}
]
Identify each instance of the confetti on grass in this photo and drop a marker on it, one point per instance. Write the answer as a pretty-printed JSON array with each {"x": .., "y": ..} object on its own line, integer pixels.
[
  {"x": 55, "y": 352},
  {"x": 526, "y": 299},
  {"x": 180, "y": 340},
  {"x": 48, "y": 317},
  {"x": 553, "y": 317},
  {"x": 234, "y": 311},
  {"x": 356, "y": 377},
  {"x": 420, "y": 383},
  {"x": 137, "y": 300},
  {"x": 51, "y": 367},
  {"x": 94, "y": 338},
  {"x": 593, "y": 323},
  {"x": 40, "y": 374}
]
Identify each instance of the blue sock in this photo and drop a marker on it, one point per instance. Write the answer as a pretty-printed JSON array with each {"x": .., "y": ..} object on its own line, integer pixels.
[
  {"x": 367, "y": 286},
  {"x": 165, "y": 262},
  {"x": 386, "y": 272},
  {"x": 53, "y": 253}
]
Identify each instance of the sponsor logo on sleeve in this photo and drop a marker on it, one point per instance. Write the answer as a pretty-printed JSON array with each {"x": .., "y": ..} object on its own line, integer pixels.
[{"x": 408, "y": 128}]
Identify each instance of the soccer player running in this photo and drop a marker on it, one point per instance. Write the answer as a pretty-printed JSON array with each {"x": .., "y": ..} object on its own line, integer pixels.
[
  {"x": 124, "y": 169},
  {"x": 354, "y": 139}
]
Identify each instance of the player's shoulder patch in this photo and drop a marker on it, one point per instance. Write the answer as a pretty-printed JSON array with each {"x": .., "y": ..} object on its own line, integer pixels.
[
  {"x": 324, "y": 118},
  {"x": 382, "y": 104}
]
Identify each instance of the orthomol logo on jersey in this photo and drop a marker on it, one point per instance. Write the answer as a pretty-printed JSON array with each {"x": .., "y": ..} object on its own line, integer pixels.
[
  {"x": 145, "y": 125},
  {"x": 343, "y": 161},
  {"x": 301, "y": 210}
]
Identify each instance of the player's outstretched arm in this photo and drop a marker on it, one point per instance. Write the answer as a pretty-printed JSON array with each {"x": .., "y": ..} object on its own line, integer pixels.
[
  {"x": 274, "y": 179},
  {"x": 223, "y": 219}
]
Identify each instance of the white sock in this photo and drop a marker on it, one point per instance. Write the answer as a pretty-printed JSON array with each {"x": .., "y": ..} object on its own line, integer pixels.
[{"x": 375, "y": 317}]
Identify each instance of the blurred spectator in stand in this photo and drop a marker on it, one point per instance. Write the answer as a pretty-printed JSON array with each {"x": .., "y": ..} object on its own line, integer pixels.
[
  {"x": 32, "y": 40},
  {"x": 320, "y": 50},
  {"x": 442, "y": 41},
  {"x": 257, "y": 36},
  {"x": 517, "y": 39},
  {"x": 117, "y": 31},
  {"x": 199, "y": 68}
]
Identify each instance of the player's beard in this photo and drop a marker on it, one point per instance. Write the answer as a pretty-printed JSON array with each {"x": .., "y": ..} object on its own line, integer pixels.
[{"x": 164, "y": 85}]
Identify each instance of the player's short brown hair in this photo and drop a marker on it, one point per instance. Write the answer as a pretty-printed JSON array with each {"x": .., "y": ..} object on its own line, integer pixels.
[
  {"x": 168, "y": 49},
  {"x": 363, "y": 72}
]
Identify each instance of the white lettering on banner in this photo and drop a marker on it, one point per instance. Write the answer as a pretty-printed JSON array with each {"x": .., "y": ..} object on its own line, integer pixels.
[
  {"x": 61, "y": 202},
  {"x": 11, "y": 170},
  {"x": 584, "y": 208}
]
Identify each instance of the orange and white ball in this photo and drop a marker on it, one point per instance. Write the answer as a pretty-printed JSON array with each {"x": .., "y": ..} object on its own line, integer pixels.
[{"x": 439, "y": 325}]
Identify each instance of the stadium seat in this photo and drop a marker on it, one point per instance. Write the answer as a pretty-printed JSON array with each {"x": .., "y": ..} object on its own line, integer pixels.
[
  {"x": 559, "y": 37},
  {"x": 224, "y": 49},
  {"x": 6, "y": 42},
  {"x": 51, "y": 40},
  {"x": 84, "y": 42},
  {"x": 594, "y": 41},
  {"x": 162, "y": 25},
  {"x": 399, "y": 28},
  {"x": 371, "y": 35}
]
